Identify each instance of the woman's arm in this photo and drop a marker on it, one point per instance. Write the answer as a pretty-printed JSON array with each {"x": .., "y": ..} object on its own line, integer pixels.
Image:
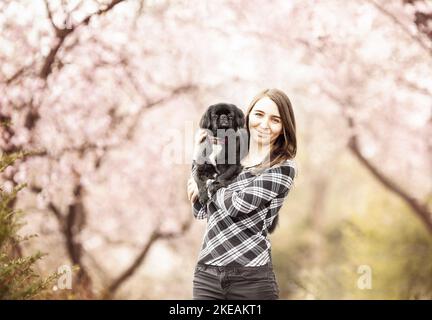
[
  {"x": 273, "y": 183},
  {"x": 199, "y": 211}
]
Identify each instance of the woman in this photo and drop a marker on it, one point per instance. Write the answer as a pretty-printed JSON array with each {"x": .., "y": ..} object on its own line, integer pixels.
[{"x": 235, "y": 258}]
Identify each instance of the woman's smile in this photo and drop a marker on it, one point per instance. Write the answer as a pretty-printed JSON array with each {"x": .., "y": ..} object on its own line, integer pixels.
[{"x": 263, "y": 133}]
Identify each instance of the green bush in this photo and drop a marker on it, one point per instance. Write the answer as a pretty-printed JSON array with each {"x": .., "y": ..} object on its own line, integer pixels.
[{"x": 18, "y": 279}]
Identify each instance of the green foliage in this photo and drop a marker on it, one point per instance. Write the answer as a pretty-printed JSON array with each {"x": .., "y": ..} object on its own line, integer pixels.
[
  {"x": 378, "y": 230},
  {"x": 18, "y": 279},
  {"x": 397, "y": 247}
]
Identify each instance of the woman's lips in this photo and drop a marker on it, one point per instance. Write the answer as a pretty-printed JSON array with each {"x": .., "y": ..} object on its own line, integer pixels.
[{"x": 263, "y": 133}]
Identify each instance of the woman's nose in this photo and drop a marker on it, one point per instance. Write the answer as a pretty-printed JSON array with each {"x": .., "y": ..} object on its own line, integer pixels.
[{"x": 264, "y": 123}]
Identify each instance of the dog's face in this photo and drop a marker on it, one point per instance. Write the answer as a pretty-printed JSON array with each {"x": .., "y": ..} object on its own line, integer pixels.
[{"x": 222, "y": 116}]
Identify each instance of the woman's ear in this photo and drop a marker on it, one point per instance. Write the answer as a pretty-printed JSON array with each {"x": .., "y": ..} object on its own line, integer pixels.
[{"x": 205, "y": 121}]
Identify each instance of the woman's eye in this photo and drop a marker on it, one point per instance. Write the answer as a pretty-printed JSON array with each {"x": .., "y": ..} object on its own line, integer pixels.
[
  {"x": 258, "y": 114},
  {"x": 276, "y": 120}
]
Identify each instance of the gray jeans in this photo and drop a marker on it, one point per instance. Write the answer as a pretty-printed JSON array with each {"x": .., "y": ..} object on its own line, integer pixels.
[{"x": 235, "y": 283}]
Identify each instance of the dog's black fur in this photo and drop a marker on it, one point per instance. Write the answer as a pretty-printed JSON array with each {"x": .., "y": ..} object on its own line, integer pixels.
[
  {"x": 227, "y": 118},
  {"x": 224, "y": 123}
]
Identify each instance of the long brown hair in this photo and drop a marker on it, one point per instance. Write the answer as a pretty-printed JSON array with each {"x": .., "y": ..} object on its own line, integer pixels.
[{"x": 285, "y": 146}]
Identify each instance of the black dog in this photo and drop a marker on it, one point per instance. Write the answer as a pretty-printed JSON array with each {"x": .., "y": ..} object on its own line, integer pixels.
[{"x": 219, "y": 155}]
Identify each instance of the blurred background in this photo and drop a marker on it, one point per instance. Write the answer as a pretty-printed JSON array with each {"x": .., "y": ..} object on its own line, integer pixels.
[{"x": 107, "y": 95}]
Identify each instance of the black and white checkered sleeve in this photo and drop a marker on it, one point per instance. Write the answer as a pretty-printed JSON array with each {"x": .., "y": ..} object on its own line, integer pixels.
[
  {"x": 273, "y": 183},
  {"x": 199, "y": 211}
]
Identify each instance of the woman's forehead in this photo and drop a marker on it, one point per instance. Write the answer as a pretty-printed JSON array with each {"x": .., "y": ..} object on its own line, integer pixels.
[{"x": 266, "y": 105}]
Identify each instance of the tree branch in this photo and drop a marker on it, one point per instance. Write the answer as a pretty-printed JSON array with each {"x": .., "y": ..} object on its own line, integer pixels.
[
  {"x": 155, "y": 236},
  {"x": 63, "y": 33},
  {"x": 404, "y": 28},
  {"x": 421, "y": 210},
  {"x": 50, "y": 17},
  {"x": 86, "y": 147},
  {"x": 70, "y": 225},
  {"x": 414, "y": 86},
  {"x": 18, "y": 73}
]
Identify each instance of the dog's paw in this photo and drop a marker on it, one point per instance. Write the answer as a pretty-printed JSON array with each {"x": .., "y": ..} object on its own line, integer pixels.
[
  {"x": 209, "y": 182},
  {"x": 213, "y": 188}
]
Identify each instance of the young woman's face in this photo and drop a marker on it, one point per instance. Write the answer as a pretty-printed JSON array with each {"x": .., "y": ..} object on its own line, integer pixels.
[{"x": 265, "y": 124}]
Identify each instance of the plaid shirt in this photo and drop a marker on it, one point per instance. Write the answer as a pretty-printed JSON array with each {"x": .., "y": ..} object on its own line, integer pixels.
[{"x": 238, "y": 216}]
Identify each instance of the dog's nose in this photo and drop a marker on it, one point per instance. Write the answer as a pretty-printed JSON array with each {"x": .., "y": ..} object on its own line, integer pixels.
[{"x": 223, "y": 117}]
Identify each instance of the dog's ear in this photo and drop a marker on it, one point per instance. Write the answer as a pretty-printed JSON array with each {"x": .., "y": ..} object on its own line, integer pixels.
[
  {"x": 205, "y": 121},
  {"x": 240, "y": 117}
]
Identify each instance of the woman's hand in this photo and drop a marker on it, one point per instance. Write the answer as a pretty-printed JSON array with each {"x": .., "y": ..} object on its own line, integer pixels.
[
  {"x": 192, "y": 187},
  {"x": 199, "y": 137},
  {"x": 192, "y": 190}
]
